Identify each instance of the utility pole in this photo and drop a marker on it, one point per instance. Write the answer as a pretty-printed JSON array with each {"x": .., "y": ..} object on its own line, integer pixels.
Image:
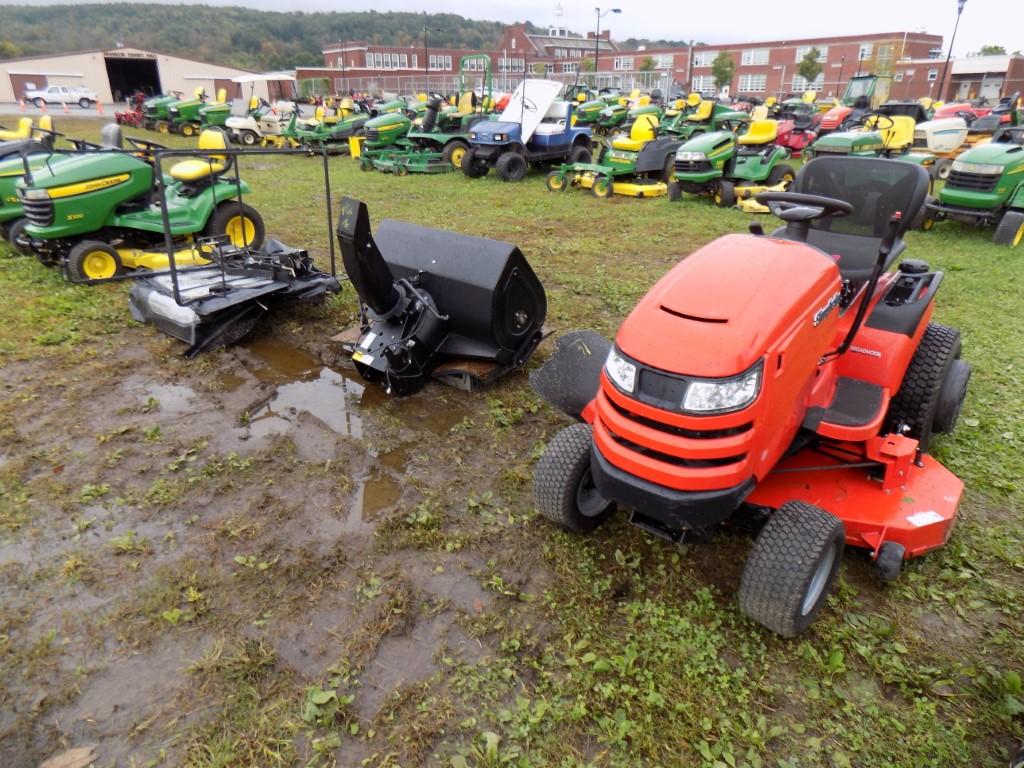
[
  {"x": 597, "y": 36},
  {"x": 959, "y": 9}
]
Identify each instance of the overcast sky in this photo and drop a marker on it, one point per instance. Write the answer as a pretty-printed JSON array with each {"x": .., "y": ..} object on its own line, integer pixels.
[{"x": 997, "y": 22}]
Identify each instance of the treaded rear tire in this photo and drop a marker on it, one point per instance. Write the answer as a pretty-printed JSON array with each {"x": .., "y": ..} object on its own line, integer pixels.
[
  {"x": 917, "y": 400},
  {"x": 511, "y": 166},
  {"x": 779, "y": 174},
  {"x": 559, "y": 477},
  {"x": 580, "y": 154},
  {"x": 473, "y": 168},
  {"x": 790, "y": 552},
  {"x": 1010, "y": 230}
]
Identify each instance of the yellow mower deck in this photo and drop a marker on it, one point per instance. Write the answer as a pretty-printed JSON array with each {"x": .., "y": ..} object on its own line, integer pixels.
[
  {"x": 745, "y": 196},
  {"x": 137, "y": 258},
  {"x": 641, "y": 189}
]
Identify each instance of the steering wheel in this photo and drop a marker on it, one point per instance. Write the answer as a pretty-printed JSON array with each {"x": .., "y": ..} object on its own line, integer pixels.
[
  {"x": 528, "y": 104},
  {"x": 801, "y": 207},
  {"x": 879, "y": 116},
  {"x": 82, "y": 144},
  {"x": 967, "y": 117},
  {"x": 145, "y": 146}
]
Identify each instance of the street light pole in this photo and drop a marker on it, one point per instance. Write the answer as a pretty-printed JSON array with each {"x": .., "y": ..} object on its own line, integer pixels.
[
  {"x": 597, "y": 37},
  {"x": 839, "y": 82},
  {"x": 426, "y": 63},
  {"x": 959, "y": 9}
]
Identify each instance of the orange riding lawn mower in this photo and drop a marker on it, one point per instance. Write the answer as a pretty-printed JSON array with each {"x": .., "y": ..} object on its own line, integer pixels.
[{"x": 790, "y": 384}]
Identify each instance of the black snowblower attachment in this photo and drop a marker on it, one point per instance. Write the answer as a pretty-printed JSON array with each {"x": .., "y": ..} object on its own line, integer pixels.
[{"x": 465, "y": 310}]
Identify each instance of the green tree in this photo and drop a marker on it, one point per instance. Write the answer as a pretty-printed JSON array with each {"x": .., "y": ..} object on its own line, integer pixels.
[
  {"x": 809, "y": 67},
  {"x": 9, "y": 50},
  {"x": 992, "y": 50},
  {"x": 586, "y": 65},
  {"x": 538, "y": 69},
  {"x": 722, "y": 69},
  {"x": 648, "y": 64}
]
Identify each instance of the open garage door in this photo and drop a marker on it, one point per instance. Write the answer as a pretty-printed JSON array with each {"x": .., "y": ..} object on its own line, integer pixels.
[
  {"x": 27, "y": 82},
  {"x": 130, "y": 75}
]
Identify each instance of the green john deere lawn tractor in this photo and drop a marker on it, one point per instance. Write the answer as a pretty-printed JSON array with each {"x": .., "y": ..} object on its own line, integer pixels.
[
  {"x": 214, "y": 115},
  {"x": 727, "y": 168},
  {"x": 184, "y": 115},
  {"x": 638, "y": 165},
  {"x": 155, "y": 114},
  {"x": 879, "y": 135},
  {"x": 986, "y": 188},
  {"x": 705, "y": 117},
  {"x": 98, "y": 214}
]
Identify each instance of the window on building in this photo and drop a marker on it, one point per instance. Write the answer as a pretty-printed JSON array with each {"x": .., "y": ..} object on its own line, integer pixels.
[
  {"x": 571, "y": 66},
  {"x": 441, "y": 63},
  {"x": 576, "y": 53},
  {"x": 753, "y": 83},
  {"x": 898, "y": 77},
  {"x": 623, "y": 62},
  {"x": 801, "y": 84},
  {"x": 704, "y": 84},
  {"x": 511, "y": 65},
  {"x": 415, "y": 61},
  {"x": 866, "y": 49},
  {"x": 378, "y": 61},
  {"x": 387, "y": 61},
  {"x": 561, "y": 53},
  {"x": 405, "y": 61},
  {"x": 513, "y": 43},
  {"x": 933, "y": 75},
  {"x": 884, "y": 55},
  {"x": 549, "y": 69},
  {"x": 803, "y": 50},
  {"x": 369, "y": 60},
  {"x": 663, "y": 61},
  {"x": 754, "y": 56},
  {"x": 703, "y": 59}
]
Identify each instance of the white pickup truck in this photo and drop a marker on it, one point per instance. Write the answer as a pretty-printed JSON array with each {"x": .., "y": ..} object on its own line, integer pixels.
[{"x": 62, "y": 94}]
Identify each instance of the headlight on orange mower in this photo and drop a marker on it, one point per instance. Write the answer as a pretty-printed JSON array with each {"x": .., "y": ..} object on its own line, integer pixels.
[
  {"x": 723, "y": 395},
  {"x": 620, "y": 371}
]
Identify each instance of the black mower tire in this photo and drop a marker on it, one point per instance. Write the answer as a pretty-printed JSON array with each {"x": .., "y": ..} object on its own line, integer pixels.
[
  {"x": 188, "y": 130},
  {"x": 724, "y": 194},
  {"x": 14, "y": 230},
  {"x": 80, "y": 260},
  {"x": 563, "y": 488},
  {"x": 248, "y": 138},
  {"x": 675, "y": 192},
  {"x": 889, "y": 563},
  {"x": 473, "y": 168},
  {"x": 455, "y": 152},
  {"x": 792, "y": 568},
  {"x": 917, "y": 402},
  {"x": 779, "y": 174},
  {"x": 603, "y": 187},
  {"x": 3, "y": 231},
  {"x": 226, "y": 211},
  {"x": 580, "y": 154},
  {"x": 951, "y": 397},
  {"x": 556, "y": 181},
  {"x": 922, "y": 221},
  {"x": 1010, "y": 230},
  {"x": 668, "y": 172},
  {"x": 511, "y": 166}
]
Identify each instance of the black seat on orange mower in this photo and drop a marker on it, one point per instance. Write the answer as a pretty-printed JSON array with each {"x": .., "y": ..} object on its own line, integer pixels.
[{"x": 877, "y": 188}]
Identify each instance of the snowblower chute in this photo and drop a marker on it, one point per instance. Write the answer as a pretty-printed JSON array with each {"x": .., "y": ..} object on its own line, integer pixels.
[{"x": 463, "y": 309}]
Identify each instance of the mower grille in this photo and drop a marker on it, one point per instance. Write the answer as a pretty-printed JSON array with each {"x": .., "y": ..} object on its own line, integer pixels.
[
  {"x": 677, "y": 461},
  {"x": 696, "y": 434},
  {"x": 371, "y": 135},
  {"x": 975, "y": 182},
  {"x": 693, "y": 166},
  {"x": 920, "y": 142},
  {"x": 38, "y": 212},
  {"x": 831, "y": 152}
]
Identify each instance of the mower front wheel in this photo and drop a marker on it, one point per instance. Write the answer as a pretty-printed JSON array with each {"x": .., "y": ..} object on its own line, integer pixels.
[
  {"x": 563, "y": 487},
  {"x": 675, "y": 192},
  {"x": 1010, "y": 230},
  {"x": 556, "y": 181},
  {"x": 889, "y": 563},
  {"x": 724, "y": 194},
  {"x": 15, "y": 232},
  {"x": 792, "y": 568},
  {"x": 241, "y": 223},
  {"x": 780, "y": 174},
  {"x": 93, "y": 260},
  {"x": 188, "y": 130},
  {"x": 511, "y": 166},
  {"x": 249, "y": 138},
  {"x": 922, "y": 220},
  {"x": 602, "y": 187}
]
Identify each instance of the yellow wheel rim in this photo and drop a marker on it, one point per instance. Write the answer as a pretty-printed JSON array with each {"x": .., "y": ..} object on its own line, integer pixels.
[
  {"x": 927, "y": 224},
  {"x": 240, "y": 230},
  {"x": 186, "y": 130},
  {"x": 788, "y": 178},
  {"x": 1019, "y": 236},
  {"x": 718, "y": 198},
  {"x": 98, "y": 265},
  {"x": 164, "y": 128},
  {"x": 555, "y": 183},
  {"x": 457, "y": 154}
]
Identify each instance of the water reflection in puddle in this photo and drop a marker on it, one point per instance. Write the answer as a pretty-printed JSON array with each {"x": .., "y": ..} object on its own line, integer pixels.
[
  {"x": 372, "y": 497},
  {"x": 331, "y": 398}
]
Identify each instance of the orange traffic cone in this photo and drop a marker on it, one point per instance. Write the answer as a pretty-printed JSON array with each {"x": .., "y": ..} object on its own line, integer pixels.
[
  {"x": 99, "y": 108},
  {"x": 42, "y": 107},
  {"x": 21, "y": 105},
  {"x": 66, "y": 110}
]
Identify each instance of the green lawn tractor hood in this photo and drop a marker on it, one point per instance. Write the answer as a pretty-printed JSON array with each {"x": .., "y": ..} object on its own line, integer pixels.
[
  {"x": 589, "y": 111},
  {"x": 987, "y": 177},
  {"x": 849, "y": 143},
  {"x": 385, "y": 130}
]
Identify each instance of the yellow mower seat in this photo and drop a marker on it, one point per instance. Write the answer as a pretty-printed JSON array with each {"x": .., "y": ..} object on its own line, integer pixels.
[
  {"x": 643, "y": 131},
  {"x": 898, "y": 135},
  {"x": 45, "y": 124},
  {"x": 465, "y": 105},
  {"x": 760, "y": 132},
  {"x": 23, "y": 131},
  {"x": 196, "y": 170},
  {"x": 703, "y": 112},
  {"x": 760, "y": 112}
]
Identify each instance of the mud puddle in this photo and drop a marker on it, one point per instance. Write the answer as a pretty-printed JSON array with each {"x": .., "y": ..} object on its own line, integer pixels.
[{"x": 330, "y": 397}]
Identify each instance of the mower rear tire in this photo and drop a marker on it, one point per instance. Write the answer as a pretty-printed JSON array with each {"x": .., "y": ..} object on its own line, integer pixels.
[
  {"x": 93, "y": 260},
  {"x": 243, "y": 227},
  {"x": 889, "y": 563},
  {"x": 675, "y": 192},
  {"x": 472, "y": 167},
  {"x": 249, "y": 139},
  {"x": 917, "y": 402},
  {"x": 162, "y": 126},
  {"x": 951, "y": 397},
  {"x": 922, "y": 220},
  {"x": 580, "y": 154},
  {"x": 1010, "y": 230},
  {"x": 602, "y": 187},
  {"x": 15, "y": 230},
  {"x": 556, "y": 181},
  {"x": 563, "y": 487},
  {"x": 779, "y": 174},
  {"x": 668, "y": 173},
  {"x": 455, "y": 152},
  {"x": 187, "y": 129},
  {"x": 724, "y": 194},
  {"x": 792, "y": 568},
  {"x": 3, "y": 231},
  {"x": 511, "y": 166}
]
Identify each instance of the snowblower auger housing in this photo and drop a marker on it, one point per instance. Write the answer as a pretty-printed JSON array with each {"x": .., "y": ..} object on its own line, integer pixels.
[{"x": 463, "y": 309}]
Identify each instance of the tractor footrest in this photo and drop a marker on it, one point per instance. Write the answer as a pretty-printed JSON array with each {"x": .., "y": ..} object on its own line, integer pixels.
[{"x": 855, "y": 404}]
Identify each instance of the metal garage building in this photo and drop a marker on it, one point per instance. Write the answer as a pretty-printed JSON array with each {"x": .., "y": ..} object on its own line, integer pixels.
[{"x": 117, "y": 72}]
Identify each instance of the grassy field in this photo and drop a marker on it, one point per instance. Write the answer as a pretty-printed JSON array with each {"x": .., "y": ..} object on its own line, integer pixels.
[{"x": 198, "y": 567}]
